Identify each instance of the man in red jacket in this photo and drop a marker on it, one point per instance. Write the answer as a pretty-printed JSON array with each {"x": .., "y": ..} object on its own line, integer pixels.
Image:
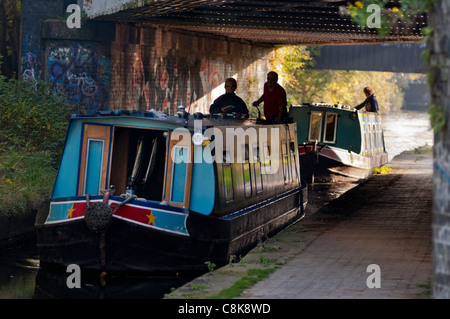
[{"x": 274, "y": 98}]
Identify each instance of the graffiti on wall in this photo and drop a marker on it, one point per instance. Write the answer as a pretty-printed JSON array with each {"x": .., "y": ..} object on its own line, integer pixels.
[
  {"x": 31, "y": 69},
  {"x": 166, "y": 87},
  {"x": 144, "y": 81},
  {"x": 30, "y": 66},
  {"x": 80, "y": 74},
  {"x": 135, "y": 83},
  {"x": 210, "y": 76},
  {"x": 441, "y": 221}
]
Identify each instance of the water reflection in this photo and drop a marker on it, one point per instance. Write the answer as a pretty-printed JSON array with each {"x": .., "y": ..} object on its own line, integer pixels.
[
  {"x": 406, "y": 131},
  {"x": 18, "y": 270},
  {"x": 22, "y": 278},
  {"x": 52, "y": 284}
]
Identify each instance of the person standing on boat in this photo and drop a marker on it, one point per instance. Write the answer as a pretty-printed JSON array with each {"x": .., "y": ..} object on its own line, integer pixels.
[
  {"x": 224, "y": 102},
  {"x": 370, "y": 102},
  {"x": 274, "y": 98}
]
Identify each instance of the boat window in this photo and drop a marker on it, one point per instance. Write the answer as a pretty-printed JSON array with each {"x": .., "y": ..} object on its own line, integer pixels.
[
  {"x": 369, "y": 138},
  {"x": 258, "y": 176},
  {"x": 380, "y": 137},
  {"x": 330, "y": 128},
  {"x": 246, "y": 172},
  {"x": 227, "y": 157},
  {"x": 293, "y": 162},
  {"x": 179, "y": 173},
  {"x": 285, "y": 159},
  {"x": 228, "y": 177},
  {"x": 266, "y": 159},
  {"x": 315, "y": 126},
  {"x": 375, "y": 136},
  {"x": 363, "y": 138}
]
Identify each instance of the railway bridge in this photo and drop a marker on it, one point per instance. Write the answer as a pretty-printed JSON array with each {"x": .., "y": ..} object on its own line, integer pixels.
[
  {"x": 158, "y": 54},
  {"x": 147, "y": 54}
]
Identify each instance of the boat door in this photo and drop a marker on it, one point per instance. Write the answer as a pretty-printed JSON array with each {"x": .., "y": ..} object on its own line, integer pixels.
[
  {"x": 179, "y": 169},
  {"x": 94, "y": 159}
]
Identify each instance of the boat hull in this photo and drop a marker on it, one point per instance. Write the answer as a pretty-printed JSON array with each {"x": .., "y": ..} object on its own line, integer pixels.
[
  {"x": 131, "y": 247},
  {"x": 329, "y": 165},
  {"x": 338, "y": 143}
]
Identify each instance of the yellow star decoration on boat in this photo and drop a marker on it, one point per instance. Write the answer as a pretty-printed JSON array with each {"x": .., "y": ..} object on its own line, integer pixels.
[
  {"x": 70, "y": 210},
  {"x": 151, "y": 218}
]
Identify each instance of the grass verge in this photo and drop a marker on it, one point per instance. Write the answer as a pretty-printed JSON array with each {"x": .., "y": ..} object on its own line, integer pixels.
[
  {"x": 26, "y": 180},
  {"x": 252, "y": 277}
]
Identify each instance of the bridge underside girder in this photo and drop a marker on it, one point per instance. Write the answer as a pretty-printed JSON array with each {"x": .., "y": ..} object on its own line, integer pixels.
[{"x": 264, "y": 21}]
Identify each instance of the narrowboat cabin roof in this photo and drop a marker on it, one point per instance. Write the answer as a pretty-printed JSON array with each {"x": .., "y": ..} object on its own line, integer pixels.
[
  {"x": 338, "y": 142},
  {"x": 118, "y": 134},
  {"x": 185, "y": 121},
  {"x": 337, "y": 125}
]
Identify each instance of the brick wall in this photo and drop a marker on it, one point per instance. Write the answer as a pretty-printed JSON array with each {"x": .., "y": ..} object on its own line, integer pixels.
[
  {"x": 107, "y": 65},
  {"x": 155, "y": 68}
]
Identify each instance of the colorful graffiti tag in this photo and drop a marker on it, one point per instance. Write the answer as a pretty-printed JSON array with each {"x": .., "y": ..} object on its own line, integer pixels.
[
  {"x": 191, "y": 85},
  {"x": 82, "y": 75},
  {"x": 30, "y": 66},
  {"x": 143, "y": 80}
]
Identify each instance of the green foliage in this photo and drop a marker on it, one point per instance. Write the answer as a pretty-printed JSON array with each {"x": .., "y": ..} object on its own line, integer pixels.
[
  {"x": 211, "y": 266},
  {"x": 252, "y": 277},
  {"x": 404, "y": 13},
  {"x": 33, "y": 124},
  {"x": 25, "y": 179},
  {"x": 390, "y": 14},
  {"x": 438, "y": 117},
  {"x": 306, "y": 85},
  {"x": 251, "y": 87},
  {"x": 31, "y": 117},
  {"x": 423, "y": 150}
]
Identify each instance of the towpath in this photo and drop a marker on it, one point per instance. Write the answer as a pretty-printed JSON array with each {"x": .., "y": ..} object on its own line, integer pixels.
[{"x": 385, "y": 221}]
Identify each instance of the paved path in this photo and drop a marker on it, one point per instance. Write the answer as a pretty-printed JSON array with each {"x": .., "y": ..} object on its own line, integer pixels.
[{"x": 385, "y": 221}]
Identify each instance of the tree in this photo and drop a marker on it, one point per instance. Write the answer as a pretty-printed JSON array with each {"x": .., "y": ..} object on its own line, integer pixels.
[
  {"x": 305, "y": 85},
  {"x": 10, "y": 13}
]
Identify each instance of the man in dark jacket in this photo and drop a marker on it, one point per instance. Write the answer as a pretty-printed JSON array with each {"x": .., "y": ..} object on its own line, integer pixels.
[
  {"x": 224, "y": 102},
  {"x": 370, "y": 102}
]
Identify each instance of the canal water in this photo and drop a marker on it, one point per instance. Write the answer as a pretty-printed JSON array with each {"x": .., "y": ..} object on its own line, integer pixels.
[
  {"x": 406, "y": 131},
  {"x": 21, "y": 277}
]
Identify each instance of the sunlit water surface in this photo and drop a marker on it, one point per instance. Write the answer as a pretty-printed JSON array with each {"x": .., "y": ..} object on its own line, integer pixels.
[{"x": 406, "y": 131}]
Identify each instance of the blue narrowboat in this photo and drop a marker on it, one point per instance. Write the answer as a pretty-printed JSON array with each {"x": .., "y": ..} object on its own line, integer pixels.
[
  {"x": 140, "y": 191},
  {"x": 338, "y": 143}
]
